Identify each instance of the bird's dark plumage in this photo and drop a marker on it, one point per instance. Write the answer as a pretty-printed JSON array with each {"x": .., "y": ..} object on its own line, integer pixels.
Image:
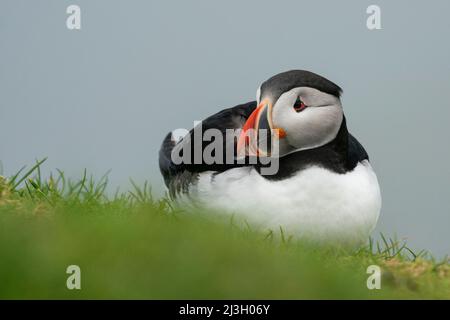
[
  {"x": 177, "y": 176},
  {"x": 288, "y": 80}
]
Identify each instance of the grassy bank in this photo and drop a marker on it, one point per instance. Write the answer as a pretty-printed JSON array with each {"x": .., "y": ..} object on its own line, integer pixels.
[{"x": 133, "y": 246}]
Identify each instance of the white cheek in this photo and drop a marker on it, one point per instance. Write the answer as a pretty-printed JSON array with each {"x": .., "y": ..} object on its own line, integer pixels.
[
  {"x": 286, "y": 117},
  {"x": 311, "y": 128},
  {"x": 300, "y": 127}
]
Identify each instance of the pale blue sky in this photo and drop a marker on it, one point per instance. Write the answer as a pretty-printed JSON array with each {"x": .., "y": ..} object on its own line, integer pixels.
[{"x": 103, "y": 97}]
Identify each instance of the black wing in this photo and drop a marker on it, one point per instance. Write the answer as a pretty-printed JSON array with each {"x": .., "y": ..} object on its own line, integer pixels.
[
  {"x": 355, "y": 152},
  {"x": 177, "y": 177}
]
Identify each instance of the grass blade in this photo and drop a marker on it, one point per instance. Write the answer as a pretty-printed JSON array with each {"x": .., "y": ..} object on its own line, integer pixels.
[{"x": 28, "y": 173}]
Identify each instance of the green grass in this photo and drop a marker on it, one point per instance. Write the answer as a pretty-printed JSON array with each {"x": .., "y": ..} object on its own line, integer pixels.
[{"x": 133, "y": 246}]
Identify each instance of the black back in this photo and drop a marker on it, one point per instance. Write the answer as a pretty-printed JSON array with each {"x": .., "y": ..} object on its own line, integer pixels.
[{"x": 177, "y": 177}]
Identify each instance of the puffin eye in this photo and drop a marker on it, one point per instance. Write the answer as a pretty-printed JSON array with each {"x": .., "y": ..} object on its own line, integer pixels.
[{"x": 299, "y": 106}]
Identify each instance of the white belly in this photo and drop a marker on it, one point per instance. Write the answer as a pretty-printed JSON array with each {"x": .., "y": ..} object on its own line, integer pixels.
[{"x": 315, "y": 204}]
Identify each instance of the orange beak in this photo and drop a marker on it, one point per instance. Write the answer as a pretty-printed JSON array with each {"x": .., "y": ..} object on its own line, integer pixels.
[{"x": 257, "y": 133}]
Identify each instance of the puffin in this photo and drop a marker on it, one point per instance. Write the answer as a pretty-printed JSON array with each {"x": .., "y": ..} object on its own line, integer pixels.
[{"x": 289, "y": 164}]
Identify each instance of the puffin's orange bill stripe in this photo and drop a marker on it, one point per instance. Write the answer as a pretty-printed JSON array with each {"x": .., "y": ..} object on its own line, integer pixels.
[{"x": 249, "y": 124}]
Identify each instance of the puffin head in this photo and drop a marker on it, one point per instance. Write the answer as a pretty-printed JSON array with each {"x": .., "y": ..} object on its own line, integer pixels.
[{"x": 297, "y": 110}]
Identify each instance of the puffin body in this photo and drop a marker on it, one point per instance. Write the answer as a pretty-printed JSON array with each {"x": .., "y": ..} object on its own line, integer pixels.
[{"x": 323, "y": 187}]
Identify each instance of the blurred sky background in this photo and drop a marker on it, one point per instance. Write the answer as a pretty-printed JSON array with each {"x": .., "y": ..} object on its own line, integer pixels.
[{"x": 104, "y": 97}]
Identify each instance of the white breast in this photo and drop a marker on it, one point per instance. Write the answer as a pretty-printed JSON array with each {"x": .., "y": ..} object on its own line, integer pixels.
[{"x": 316, "y": 203}]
